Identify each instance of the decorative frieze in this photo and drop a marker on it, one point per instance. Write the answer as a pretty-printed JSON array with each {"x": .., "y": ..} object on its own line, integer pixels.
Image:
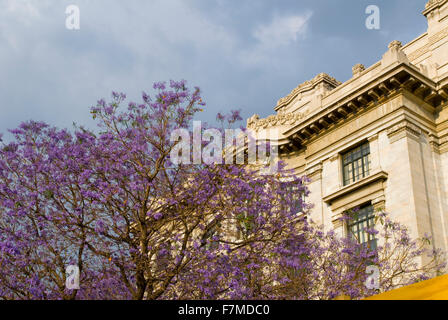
[{"x": 279, "y": 119}]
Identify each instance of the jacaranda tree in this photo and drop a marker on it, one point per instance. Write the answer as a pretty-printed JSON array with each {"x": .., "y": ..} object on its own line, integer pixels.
[{"x": 113, "y": 203}]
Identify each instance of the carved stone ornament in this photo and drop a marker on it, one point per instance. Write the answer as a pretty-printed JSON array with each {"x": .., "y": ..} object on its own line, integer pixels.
[
  {"x": 357, "y": 69},
  {"x": 282, "y": 118},
  {"x": 395, "y": 45}
]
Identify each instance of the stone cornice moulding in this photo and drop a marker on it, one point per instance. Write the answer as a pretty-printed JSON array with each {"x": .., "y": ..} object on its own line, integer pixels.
[
  {"x": 433, "y": 4},
  {"x": 379, "y": 204},
  {"x": 438, "y": 145},
  {"x": 373, "y": 137},
  {"x": 380, "y": 199},
  {"x": 357, "y": 91},
  {"x": 380, "y": 175},
  {"x": 443, "y": 86},
  {"x": 337, "y": 221},
  {"x": 354, "y": 81},
  {"x": 334, "y": 157},
  {"x": 402, "y": 129},
  {"x": 302, "y": 128},
  {"x": 355, "y": 95},
  {"x": 443, "y": 145},
  {"x": 315, "y": 170}
]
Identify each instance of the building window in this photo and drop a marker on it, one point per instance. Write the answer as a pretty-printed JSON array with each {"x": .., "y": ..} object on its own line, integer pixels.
[
  {"x": 245, "y": 226},
  {"x": 356, "y": 163},
  {"x": 298, "y": 197},
  {"x": 211, "y": 236},
  {"x": 363, "y": 219},
  {"x": 163, "y": 256}
]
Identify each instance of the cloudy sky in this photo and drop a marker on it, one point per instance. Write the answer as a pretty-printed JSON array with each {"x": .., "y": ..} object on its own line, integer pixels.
[{"x": 244, "y": 54}]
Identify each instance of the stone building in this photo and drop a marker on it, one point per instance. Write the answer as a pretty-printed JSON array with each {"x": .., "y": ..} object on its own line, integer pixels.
[{"x": 378, "y": 140}]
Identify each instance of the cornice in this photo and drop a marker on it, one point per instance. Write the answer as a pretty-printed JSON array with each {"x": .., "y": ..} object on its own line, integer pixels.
[
  {"x": 404, "y": 126},
  {"x": 439, "y": 145},
  {"x": 380, "y": 175},
  {"x": 392, "y": 75},
  {"x": 404, "y": 129},
  {"x": 314, "y": 171},
  {"x": 401, "y": 78},
  {"x": 443, "y": 145},
  {"x": 373, "y": 137},
  {"x": 433, "y": 4}
]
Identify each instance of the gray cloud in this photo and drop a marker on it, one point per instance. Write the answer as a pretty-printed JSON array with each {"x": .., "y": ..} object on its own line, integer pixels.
[{"x": 244, "y": 54}]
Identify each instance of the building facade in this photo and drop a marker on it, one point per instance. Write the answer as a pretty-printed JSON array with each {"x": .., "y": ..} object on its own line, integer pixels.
[{"x": 378, "y": 140}]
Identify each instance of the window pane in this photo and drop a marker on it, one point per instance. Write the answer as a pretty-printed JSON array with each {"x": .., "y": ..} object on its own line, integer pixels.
[
  {"x": 362, "y": 221},
  {"x": 346, "y": 174},
  {"x": 350, "y": 173},
  {"x": 358, "y": 169},
  {"x": 296, "y": 196},
  {"x": 356, "y": 164}
]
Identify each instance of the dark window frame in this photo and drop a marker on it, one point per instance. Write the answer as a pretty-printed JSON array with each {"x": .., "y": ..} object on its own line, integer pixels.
[
  {"x": 356, "y": 163},
  {"x": 299, "y": 197},
  {"x": 364, "y": 219},
  {"x": 214, "y": 229}
]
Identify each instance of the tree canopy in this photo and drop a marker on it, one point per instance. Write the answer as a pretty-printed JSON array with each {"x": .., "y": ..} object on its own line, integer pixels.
[{"x": 139, "y": 226}]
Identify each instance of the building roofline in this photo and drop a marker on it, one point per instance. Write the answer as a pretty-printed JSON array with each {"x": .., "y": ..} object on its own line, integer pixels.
[
  {"x": 389, "y": 82},
  {"x": 307, "y": 86},
  {"x": 433, "y": 4}
]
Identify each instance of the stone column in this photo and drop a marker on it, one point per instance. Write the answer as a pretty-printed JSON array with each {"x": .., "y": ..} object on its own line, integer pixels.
[{"x": 315, "y": 187}]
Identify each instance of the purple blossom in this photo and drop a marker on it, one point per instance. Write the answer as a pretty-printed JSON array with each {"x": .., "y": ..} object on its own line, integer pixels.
[{"x": 140, "y": 228}]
